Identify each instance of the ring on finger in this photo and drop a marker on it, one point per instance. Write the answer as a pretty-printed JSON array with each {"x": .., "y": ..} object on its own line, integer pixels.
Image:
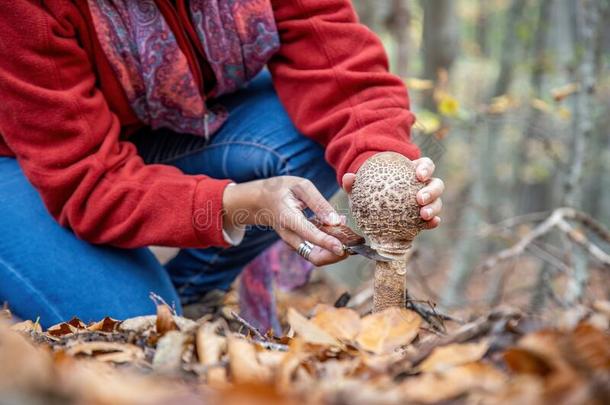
[{"x": 304, "y": 249}]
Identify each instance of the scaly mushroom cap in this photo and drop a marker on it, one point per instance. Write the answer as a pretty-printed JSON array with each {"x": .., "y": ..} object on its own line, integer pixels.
[{"x": 384, "y": 204}]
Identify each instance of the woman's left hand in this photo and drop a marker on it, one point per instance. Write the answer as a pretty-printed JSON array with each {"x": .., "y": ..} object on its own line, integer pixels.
[{"x": 429, "y": 197}]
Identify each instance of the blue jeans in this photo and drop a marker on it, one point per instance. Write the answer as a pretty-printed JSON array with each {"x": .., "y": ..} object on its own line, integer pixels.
[{"x": 46, "y": 272}]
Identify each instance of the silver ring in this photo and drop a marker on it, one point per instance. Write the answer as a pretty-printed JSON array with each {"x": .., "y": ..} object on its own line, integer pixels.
[{"x": 304, "y": 249}]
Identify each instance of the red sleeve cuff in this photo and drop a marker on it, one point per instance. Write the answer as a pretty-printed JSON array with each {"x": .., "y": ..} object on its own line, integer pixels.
[
  {"x": 208, "y": 212},
  {"x": 408, "y": 150}
]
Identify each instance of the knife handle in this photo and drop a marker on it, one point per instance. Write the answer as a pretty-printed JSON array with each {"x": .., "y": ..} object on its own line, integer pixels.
[{"x": 342, "y": 232}]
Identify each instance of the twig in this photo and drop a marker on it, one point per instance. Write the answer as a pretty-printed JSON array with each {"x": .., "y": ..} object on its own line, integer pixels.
[
  {"x": 158, "y": 300},
  {"x": 558, "y": 220},
  {"x": 581, "y": 239},
  {"x": 427, "y": 310},
  {"x": 248, "y": 326}
]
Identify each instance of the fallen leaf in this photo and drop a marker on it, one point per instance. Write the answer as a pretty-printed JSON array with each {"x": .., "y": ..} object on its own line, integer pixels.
[
  {"x": 108, "y": 351},
  {"x": 210, "y": 347},
  {"x": 61, "y": 329},
  {"x": 105, "y": 325},
  {"x": 386, "y": 331},
  {"x": 168, "y": 356},
  {"x": 436, "y": 387},
  {"x": 525, "y": 361},
  {"x": 26, "y": 327},
  {"x": 452, "y": 355},
  {"x": 140, "y": 324},
  {"x": 341, "y": 323},
  {"x": 165, "y": 320},
  {"x": 77, "y": 323},
  {"x": 309, "y": 331},
  {"x": 588, "y": 347},
  {"x": 243, "y": 362}
]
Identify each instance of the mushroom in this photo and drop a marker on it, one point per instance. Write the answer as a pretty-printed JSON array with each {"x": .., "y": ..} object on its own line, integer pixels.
[{"x": 384, "y": 205}]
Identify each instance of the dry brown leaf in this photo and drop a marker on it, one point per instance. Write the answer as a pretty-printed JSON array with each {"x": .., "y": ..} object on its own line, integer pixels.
[
  {"x": 21, "y": 364},
  {"x": 107, "y": 351},
  {"x": 210, "y": 346},
  {"x": 141, "y": 324},
  {"x": 26, "y": 327},
  {"x": 61, "y": 329},
  {"x": 310, "y": 332},
  {"x": 341, "y": 323},
  {"x": 525, "y": 361},
  {"x": 105, "y": 325},
  {"x": 435, "y": 387},
  {"x": 586, "y": 346},
  {"x": 165, "y": 320},
  {"x": 386, "y": 331},
  {"x": 243, "y": 362},
  {"x": 168, "y": 357},
  {"x": 452, "y": 355}
]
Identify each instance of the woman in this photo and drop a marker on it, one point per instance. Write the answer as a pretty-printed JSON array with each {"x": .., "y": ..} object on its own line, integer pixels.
[{"x": 126, "y": 124}]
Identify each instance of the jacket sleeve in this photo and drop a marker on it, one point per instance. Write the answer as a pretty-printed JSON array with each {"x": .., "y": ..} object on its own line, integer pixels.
[
  {"x": 331, "y": 74},
  {"x": 67, "y": 142}
]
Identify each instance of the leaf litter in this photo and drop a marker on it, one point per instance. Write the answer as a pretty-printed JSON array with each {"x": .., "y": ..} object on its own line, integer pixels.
[{"x": 333, "y": 356}]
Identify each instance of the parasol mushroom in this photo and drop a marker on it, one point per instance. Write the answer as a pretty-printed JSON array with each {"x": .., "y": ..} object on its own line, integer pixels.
[{"x": 384, "y": 205}]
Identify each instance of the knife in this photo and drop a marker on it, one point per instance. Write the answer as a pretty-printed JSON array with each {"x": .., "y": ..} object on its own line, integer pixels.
[{"x": 353, "y": 243}]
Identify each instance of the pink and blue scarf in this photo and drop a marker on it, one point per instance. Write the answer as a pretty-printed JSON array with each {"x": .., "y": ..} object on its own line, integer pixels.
[{"x": 238, "y": 37}]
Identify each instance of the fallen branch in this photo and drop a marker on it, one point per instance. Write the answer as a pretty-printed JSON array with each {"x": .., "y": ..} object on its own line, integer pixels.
[
  {"x": 427, "y": 310},
  {"x": 248, "y": 326}
]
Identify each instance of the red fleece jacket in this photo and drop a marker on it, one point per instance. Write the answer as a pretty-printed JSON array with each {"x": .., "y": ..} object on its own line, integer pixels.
[{"x": 65, "y": 117}]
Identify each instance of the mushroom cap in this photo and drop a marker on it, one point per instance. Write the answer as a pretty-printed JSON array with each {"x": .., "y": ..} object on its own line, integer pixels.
[{"x": 384, "y": 204}]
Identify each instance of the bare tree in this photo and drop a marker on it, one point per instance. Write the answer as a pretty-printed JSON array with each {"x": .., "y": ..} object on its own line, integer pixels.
[
  {"x": 440, "y": 39},
  {"x": 585, "y": 20},
  {"x": 399, "y": 23}
]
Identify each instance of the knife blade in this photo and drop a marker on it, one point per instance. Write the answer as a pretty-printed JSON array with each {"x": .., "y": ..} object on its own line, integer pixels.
[{"x": 353, "y": 243}]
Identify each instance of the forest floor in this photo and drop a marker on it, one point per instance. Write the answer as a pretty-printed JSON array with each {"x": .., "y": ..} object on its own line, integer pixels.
[{"x": 328, "y": 354}]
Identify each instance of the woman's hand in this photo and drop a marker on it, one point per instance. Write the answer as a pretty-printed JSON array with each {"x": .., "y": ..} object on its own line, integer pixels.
[
  {"x": 279, "y": 202},
  {"x": 428, "y": 197}
]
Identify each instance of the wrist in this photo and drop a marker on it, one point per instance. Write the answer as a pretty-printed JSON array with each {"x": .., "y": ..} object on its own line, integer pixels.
[{"x": 239, "y": 204}]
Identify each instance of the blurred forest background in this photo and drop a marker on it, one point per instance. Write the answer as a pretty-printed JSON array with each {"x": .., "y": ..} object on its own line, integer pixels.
[{"x": 512, "y": 99}]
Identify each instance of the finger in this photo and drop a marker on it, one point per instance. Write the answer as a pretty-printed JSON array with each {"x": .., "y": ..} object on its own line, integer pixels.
[
  {"x": 309, "y": 194},
  {"x": 431, "y": 192},
  {"x": 297, "y": 223},
  {"x": 433, "y": 223},
  {"x": 318, "y": 256},
  {"x": 431, "y": 210},
  {"x": 322, "y": 257},
  {"x": 348, "y": 182},
  {"x": 424, "y": 168}
]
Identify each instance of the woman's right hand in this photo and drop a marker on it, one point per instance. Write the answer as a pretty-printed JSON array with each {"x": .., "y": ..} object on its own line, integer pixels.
[{"x": 279, "y": 202}]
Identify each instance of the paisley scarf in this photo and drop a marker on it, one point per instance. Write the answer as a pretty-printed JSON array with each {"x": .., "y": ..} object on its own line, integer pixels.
[{"x": 238, "y": 37}]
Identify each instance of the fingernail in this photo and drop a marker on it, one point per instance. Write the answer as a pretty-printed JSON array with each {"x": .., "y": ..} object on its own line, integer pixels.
[
  {"x": 424, "y": 172},
  {"x": 425, "y": 197},
  {"x": 334, "y": 218},
  {"x": 338, "y": 249},
  {"x": 428, "y": 212}
]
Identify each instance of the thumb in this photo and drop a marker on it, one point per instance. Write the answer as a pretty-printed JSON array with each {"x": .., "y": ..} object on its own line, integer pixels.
[{"x": 348, "y": 182}]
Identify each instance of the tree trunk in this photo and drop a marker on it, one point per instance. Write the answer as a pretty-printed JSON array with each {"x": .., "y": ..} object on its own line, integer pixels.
[
  {"x": 483, "y": 27},
  {"x": 440, "y": 40},
  {"x": 586, "y": 14},
  {"x": 534, "y": 197},
  {"x": 399, "y": 24}
]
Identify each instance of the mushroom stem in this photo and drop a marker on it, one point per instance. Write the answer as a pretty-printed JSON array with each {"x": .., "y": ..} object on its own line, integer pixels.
[{"x": 390, "y": 285}]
